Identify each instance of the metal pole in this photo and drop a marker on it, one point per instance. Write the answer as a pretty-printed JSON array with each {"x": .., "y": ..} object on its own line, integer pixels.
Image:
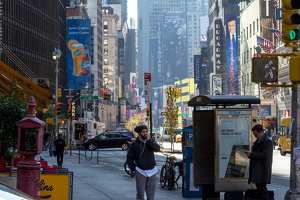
[
  {"x": 70, "y": 129},
  {"x": 150, "y": 105},
  {"x": 259, "y": 117},
  {"x": 293, "y": 193},
  {"x": 56, "y": 96}
]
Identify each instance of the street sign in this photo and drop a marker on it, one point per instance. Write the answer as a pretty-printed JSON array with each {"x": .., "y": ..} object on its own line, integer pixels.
[
  {"x": 51, "y": 105},
  {"x": 147, "y": 87},
  {"x": 89, "y": 98},
  {"x": 265, "y": 70},
  {"x": 184, "y": 114},
  {"x": 147, "y": 76}
]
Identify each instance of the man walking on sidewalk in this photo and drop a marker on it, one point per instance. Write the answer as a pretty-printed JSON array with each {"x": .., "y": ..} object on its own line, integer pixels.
[
  {"x": 140, "y": 158},
  {"x": 60, "y": 148}
]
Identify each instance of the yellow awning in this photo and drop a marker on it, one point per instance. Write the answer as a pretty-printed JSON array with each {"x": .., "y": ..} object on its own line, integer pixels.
[{"x": 7, "y": 76}]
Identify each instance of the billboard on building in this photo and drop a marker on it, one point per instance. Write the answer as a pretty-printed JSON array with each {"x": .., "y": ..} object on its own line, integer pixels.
[
  {"x": 174, "y": 43},
  {"x": 218, "y": 47},
  {"x": 216, "y": 84},
  {"x": 78, "y": 53},
  {"x": 198, "y": 69},
  {"x": 265, "y": 110},
  {"x": 232, "y": 70},
  {"x": 131, "y": 92}
]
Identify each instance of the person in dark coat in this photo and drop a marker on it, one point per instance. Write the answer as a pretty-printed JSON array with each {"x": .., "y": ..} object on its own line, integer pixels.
[
  {"x": 261, "y": 156},
  {"x": 140, "y": 158},
  {"x": 60, "y": 145}
]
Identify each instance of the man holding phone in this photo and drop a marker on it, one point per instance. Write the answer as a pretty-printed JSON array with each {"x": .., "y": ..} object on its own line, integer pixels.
[
  {"x": 260, "y": 156},
  {"x": 140, "y": 158}
]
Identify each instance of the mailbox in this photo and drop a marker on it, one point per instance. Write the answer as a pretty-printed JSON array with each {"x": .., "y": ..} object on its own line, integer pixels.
[{"x": 30, "y": 132}]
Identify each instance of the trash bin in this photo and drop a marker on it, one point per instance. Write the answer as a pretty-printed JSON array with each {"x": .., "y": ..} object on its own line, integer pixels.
[{"x": 188, "y": 189}]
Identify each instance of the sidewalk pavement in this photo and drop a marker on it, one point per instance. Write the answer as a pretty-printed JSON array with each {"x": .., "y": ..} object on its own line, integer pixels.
[{"x": 104, "y": 181}]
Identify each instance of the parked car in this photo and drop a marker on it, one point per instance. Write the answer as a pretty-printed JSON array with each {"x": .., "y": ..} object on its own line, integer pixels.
[
  {"x": 8, "y": 192},
  {"x": 113, "y": 139}
]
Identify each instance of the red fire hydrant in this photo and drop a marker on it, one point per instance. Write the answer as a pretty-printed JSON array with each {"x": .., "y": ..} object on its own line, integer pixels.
[{"x": 30, "y": 139}]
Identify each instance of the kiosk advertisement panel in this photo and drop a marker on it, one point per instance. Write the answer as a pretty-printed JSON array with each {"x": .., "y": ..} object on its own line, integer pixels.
[{"x": 233, "y": 129}]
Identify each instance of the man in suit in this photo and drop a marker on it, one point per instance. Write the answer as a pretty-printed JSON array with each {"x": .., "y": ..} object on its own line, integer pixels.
[{"x": 260, "y": 156}]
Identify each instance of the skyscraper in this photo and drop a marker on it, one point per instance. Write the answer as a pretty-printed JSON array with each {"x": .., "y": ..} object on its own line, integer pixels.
[{"x": 169, "y": 36}]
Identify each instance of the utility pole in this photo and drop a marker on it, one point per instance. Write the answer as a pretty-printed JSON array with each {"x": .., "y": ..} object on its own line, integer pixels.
[
  {"x": 150, "y": 105},
  {"x": 293, "y": 193}
]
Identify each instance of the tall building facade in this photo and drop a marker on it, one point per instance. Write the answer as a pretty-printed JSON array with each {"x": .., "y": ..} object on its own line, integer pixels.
[
  {"x": 30, "y": 32},
  {"x": 162, "y": 33},
  {"x": 169, "y": 35}
]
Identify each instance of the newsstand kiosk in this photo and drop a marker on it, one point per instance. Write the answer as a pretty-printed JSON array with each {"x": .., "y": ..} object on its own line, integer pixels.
[{"x": 221, "y": 136}]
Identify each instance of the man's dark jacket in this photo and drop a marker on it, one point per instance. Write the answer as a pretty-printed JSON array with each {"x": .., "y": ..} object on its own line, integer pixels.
[
  {"x": 59, "y": 146},
  {"x": 142, "y": 154},
  {"x": 261, "y": 161}
]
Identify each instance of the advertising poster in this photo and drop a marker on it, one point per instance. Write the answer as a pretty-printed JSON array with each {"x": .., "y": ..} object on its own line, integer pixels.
[
  {"x": 233, "y": 142},
  {"x": 54, "y": 187},
  {"x": 174, "y": 45},
  {"x": 198, "y": 69},
  {"x": 78, "y": 53},
  {"x": 217, "y": 84},
  {"x": 265, "y": 109},
  {"x": 232, "y": 54}
]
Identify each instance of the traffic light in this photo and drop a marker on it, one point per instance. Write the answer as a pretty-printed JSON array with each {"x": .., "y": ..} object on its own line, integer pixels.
[
  {"x": 295, "y": 69},
  {"x": 148, "y": 111},
  {"x": 290, "y": 19},
  {"x": 69, "y": 112},
  {"x": 58, "y": 92},
  {"x": 58, "y": 109},
  {"x": 105, "y": 97}
]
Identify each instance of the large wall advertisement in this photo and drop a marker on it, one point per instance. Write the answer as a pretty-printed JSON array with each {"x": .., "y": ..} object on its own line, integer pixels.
[
  {"x": 78, "y": 55},
  {"x": 232, "y": 54},
  {"x": 198, "y": 69},
  {"x": 174, "y": 42},
  {"x": 219, "y": 42}
]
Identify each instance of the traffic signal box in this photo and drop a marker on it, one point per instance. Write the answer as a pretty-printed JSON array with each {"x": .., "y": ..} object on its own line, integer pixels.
[
  {"x": 58, "y": 92},
  {"x": 105, "y": 95},
  {"x": 290, "y": 19},
  {"x": 69, "y": 112},
  {"x": 295, "y": 69},
  {"x": 148, "y": 111},
  {"x": 58, "y": 109}
]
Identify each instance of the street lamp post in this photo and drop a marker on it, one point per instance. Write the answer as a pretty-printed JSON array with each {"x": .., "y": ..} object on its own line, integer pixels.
[
  {"x": 110, "y": 124},
  {"x": 56, "y": 55}
]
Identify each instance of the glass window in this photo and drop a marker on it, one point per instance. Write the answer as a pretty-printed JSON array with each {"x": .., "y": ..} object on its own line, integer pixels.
[
  {"x": 105, "y": 70},
  {"x": 105, "y": 81},
  {"x": 105, "y": 61},
  {"x": 105, "y": 51},
  {"x": 105, "y": 42}
]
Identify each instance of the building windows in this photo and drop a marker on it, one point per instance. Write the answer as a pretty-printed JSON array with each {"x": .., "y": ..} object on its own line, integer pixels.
[
  {"x": 250, "y": 29},
  {"x": 105, "y": 71},
  {"x": 105, "y": 52},
  {"x": 105, "y": 27},
  {"x": 105, "y": 81},
  {"x": 105, "y": 61},
  {"x": 105, "y": 42}
]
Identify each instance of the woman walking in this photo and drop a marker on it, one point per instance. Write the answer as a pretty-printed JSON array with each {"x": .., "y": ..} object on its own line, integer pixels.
[{"x": 51, "y": 144}]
